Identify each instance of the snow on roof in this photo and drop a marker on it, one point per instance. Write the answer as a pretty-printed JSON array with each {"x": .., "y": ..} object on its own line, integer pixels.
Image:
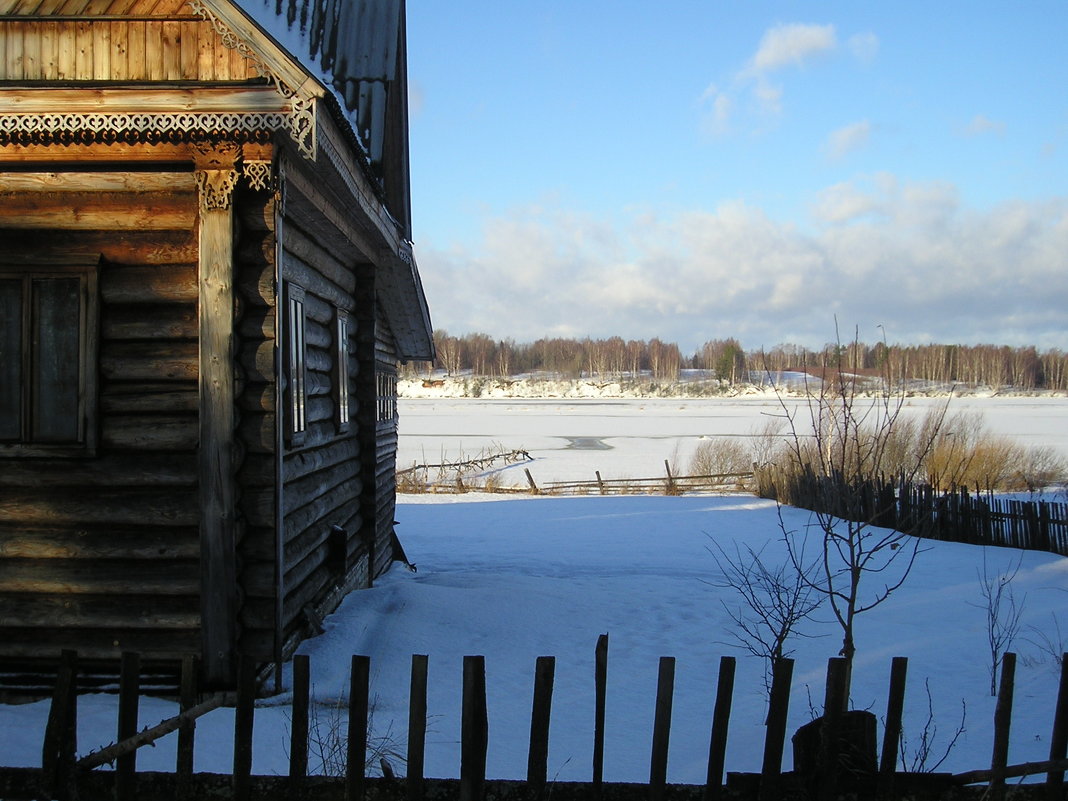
[{"x": 351, "y": 46}]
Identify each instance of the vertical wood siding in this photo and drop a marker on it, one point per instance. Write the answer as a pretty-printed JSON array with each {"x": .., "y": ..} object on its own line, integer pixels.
[
  {"x": 118, "y": 50},
  {"x": 101, "y": 553}
]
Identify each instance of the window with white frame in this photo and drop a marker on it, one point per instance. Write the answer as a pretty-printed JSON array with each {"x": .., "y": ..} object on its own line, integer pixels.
[
  {"x": 47, "y": 357},
  {"x": 296, "y": 366},
  {"x": 342, "y": 328}
]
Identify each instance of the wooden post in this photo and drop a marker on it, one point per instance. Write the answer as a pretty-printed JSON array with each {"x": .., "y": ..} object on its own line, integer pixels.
[
  {"x": 1058, "y": 741},
  {"x": 600, "y": 678},
  {"x": 895, "y": 705},
  {"x": 721, "y": 715},
  {"x": 474, "y": 730},
  {"x": 216, "y": 176},
  {"x": 356, "y": 756},
  {"x": 530, "y": 480},
  {"x": 665, "y": 688},
  {"x": 244, "y": 717},
  {"x": 417, "y": 726},
  {"x": 600, "y": 483},
  {"x": 61, "y": 731},
  {"x": 1002, "y": 721},
  {"x": 298, "y": 731},
  {"x": 187, "y": 730},
  {"x": 830, "y": 730},
  {"x": 541, "y": 711},
  {"x": 778, "y": 708},
  {"x": 129, "y": 694}
]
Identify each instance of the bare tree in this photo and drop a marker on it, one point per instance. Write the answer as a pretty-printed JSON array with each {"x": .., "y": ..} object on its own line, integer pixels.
[
  {"x": 1003, "y": 614},
  {"x": 838, "y": 459},
  {"x": 771, "y": 601}
]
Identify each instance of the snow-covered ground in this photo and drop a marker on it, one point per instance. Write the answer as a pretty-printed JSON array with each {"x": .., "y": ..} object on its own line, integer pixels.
[{"x": 518, "y": 578}]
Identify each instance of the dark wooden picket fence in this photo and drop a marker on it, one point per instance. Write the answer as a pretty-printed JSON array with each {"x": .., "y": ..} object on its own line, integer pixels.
[
  {"x": 919, "y": 509},
  {"x": 834, "y": 756}
]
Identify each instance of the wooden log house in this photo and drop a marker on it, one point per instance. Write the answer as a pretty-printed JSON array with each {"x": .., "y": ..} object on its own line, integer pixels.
[{"x": 206, "y": 284}]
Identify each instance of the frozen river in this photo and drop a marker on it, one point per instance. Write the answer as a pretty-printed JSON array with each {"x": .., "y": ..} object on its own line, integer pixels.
[{"x": 624, "y": 438}]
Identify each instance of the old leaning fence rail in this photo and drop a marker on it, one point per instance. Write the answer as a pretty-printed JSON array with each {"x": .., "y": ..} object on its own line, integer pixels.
[{"x": 827, "y": 760}]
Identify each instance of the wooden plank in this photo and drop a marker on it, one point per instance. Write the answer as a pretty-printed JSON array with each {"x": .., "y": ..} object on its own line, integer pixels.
[
  {"x": 189, "y": 46},
  {"x": 474, "y": 729},
  {"x": 86, "y": 211},
  {"x": 222, "y": 60},
  {"x": 31, "y": 51},
  {"x": 119, "y": 577},
  {"x": 216, "y": 376},
  {"x": 721, "y": 714},
  {"x": 135, "y": 49},
  {"x": 49, "y": 50},
  {"x": 120, "y": 65},
  {"x": 356, "y": 746},
  {"x": 83, "y": 51},
  {"x": 42, "y": 507},
  {"x": 101, "y": 51},
  {"x": 187, "y": 728},
  {"x": 14, "y": 69},
  {"x": 100, "y": 542},
  {"x": 171, "y": 41},
  {"x": 417, "y": 710},
  {"x": 154, "y": 50},
  {"x": 541, "y": 711},
  {"x": 665, "y": 687},
  {"x": 88, "y": 181},
  {"x": 206, "y": 55},
  {"x": 136, "y": 285}
]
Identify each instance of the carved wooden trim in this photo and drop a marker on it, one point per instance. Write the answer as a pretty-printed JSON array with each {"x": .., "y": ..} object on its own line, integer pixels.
[{"x": 216, "y": 174}]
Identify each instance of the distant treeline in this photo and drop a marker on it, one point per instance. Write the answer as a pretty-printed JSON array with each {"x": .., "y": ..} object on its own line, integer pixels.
[{"x": 987, "y": 365}]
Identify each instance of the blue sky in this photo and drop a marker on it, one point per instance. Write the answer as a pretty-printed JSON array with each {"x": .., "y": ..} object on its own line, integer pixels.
[{"x": 697, "y": 170}]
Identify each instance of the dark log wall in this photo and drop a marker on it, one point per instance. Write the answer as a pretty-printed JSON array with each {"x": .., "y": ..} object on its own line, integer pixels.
[
  {"x": 100, "y": 553},
  {"x": 386, "y": 446},
  {"x": 323, "y": 553}
]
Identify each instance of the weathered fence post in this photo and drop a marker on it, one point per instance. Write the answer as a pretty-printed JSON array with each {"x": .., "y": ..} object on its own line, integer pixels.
[
  {"x": 188, "y": 728},
  {"x": 298, "y": 732},
  {"x": 721, "y": 715},
  {"x": 778, "y": 708},
  {"x": 1002, "y": 721},
  {"x": 1058, "y": 741},
  {"x": 830, "y": 730},
  {"x": 600, "y": 678},
  {"x": 600, "y": 483},
  {"x": 356, "y": 751},
  {"x": 244, "y": 717},
  {"x": 417, "y": 726},
  {"x": 129, "y": 694},
  {"x": 665, "y": 688},
  {"x": 61, "y": 731},
  {"x": 541, "y": 710},
  {"x": 530, "y": 480},
  {"x": 895, "y": 705},
  {"x": 474, "y": 729}
]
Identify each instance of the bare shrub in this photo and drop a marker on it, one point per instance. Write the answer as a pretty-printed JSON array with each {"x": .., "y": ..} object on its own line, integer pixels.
[
  {"x": 921, "y": 757},
  {"x": 1003, "y": 613},
  {"x": 721, "y": 456},
  {"x": 328, "y": 740}
]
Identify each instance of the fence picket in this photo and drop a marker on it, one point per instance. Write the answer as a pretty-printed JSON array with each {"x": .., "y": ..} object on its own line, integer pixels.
[
  {"x": 721, "y": 715},
  {"x": 540, "y": 713},
  {"x": 298, "y": 727},
  {"x": 187, "y": 729},
  {"x": 600, "y": 678},
  {"x": 61, "y": 732},
  {"x": 417, "y": 725},
  {"x": 129, "y": 695},
  {"x": 1002, "y": 720},
  {"x": 665, "y": 689},
  {"x": 474, "y": 729},
  {"x": 1058, "y": 741},
  {"x": 356, "y": 747},
  {"x": 244, "y": 718},
  {"x": 775, "y": 737}
]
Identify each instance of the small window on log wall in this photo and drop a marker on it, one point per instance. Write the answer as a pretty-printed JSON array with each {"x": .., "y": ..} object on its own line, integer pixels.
[
  {"x": 47, "y": 358},
  {"x": 296, "y": 365},
  {"x": 341, "y": 369},
  {"x": 387, "y": 396}
]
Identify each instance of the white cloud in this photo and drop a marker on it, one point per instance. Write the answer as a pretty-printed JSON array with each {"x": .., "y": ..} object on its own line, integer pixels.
[
  {"x": 848, "y": 139},
  {"x": 792, "y": 44},
  {"x": 907, "y": 256},
  {"x": 981, "y": 124},
  {"x": 864, "y": 47}
]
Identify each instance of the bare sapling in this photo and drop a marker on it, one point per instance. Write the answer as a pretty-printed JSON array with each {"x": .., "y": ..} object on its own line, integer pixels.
[
  {"x": 1003, "y": 614},
  {"x": 770, "y": 601},
  {"x": 842, "y": 450}
]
